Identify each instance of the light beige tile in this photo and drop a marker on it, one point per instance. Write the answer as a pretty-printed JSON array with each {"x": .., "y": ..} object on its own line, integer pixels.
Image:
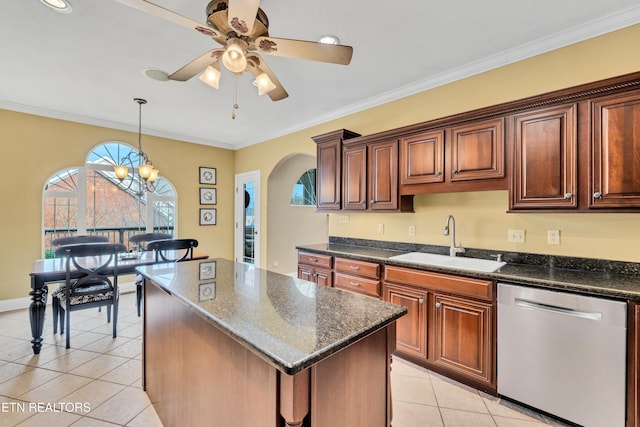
[
  {"x": 133, "y": 331},
  {"x": 56, "y": 389},
  {"x": 412, "y": 389},
  {"x": 505, "y": 408},
  {"x": 123, "y": 407},
  {"x": 27, "y": 381},
  {"x": 406, "y": 414},
  {"x": 515, "y": 422},
  {"x": 93, "y": 394},
  {"x": 95, "y": 368},
  {"x": 132, "y": 349},
  {"x": 71, "y": 360},
  {"x": 47, "y": 354},
  {"x": 92, "y": 422},
  {"x": 11, "y": 370},
  {"x": 128, "y": 373},
  {"x": 57, "y": 419},
  {"x": 402, "y": 367},
  {"x": 106, "y": 344},
  {"x": 146, "y": 418},
  {"x": 16, "y": 352},
  {"x": 458, "y": 418},
  {"x": 457, "y": 396},
  {"x": 13, "y": 411}
]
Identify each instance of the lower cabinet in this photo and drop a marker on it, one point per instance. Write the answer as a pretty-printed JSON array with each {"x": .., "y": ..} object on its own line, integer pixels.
[
  {"x": 450, "y": 324},
  {"x": 361, "y": 277},
  {"x": 315, "y": 268},
  {"x": 463, "y": 336}
]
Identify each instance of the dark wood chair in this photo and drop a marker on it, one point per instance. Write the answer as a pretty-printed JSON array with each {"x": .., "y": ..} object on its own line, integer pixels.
[
  {"x": 141, "y": 241},
  {"x": 91, "y": 281},
  {"x": 74, "y": 240},
  {"x": 173, "y": 250}
]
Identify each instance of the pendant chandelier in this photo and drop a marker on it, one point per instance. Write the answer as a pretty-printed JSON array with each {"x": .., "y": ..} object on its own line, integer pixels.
[{"x": 142, "y": 171}]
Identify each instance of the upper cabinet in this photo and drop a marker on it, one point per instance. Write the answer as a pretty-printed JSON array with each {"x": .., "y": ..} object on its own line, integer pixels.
[
  {"x": 615, "y": 142},
  {"x": 545, "y": 152},
  {"x": 571, "y": 150},
  {"x": 469, "y": 156},
  {"x": 329, "y": 171}
]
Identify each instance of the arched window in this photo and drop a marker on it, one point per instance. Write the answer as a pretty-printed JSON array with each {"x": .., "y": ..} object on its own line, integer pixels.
[
  {"x": 304, "y": 190},
  {"x": 91, "y": 200}
]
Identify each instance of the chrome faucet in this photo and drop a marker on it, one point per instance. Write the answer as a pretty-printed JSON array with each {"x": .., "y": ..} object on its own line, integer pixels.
[{"x": 453, "y": 249}]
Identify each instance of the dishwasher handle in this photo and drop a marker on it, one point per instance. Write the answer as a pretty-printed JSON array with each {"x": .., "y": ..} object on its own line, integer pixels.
[{"x": 593, "y": 315}]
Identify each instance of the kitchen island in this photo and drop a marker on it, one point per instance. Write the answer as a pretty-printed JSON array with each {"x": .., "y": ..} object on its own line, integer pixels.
[{"x": 229, "y": 344}]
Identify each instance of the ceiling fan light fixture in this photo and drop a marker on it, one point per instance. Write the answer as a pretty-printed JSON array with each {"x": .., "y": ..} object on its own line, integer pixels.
[
  {"x": 264, "y": 83},
  {"x": 329, "y": 39},
  {"x": 62, "y": 6},
  {"x": 211, "y": 75},
  {"x": 234, "y": 58}
]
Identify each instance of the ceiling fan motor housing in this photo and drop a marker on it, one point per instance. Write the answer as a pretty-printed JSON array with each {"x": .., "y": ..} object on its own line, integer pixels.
[{"x": 217, "y": 17}]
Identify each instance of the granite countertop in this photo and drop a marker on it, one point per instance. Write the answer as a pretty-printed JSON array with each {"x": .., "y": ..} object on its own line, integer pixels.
[
  {"x": 611, "y": 279},
  {"x": 290, "y": 323}
]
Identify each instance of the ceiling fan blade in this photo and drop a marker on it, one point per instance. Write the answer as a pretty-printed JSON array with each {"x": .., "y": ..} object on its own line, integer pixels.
[
  {"x": 333, "y": 53},
  {"x": 256, "y": 65},
  {"x": 170, "y": 16},
  {"x": 242, "y": 14},
  {"x": 197, "y": 65}
]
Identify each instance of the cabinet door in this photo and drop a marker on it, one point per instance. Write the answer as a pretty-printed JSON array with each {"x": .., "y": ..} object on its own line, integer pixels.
[
  {"x": 329, "y": 175},
  {"x": 463, "y": 335},
  {"x": 354, "y": 190},
  {"x": 422, "y": 158},
  {"x": 477, "y": 150},
  {"x": 615, "y": 168},
  {"x": 305, "y": 273},
  {"x": 411, "y": 334},
  {"x": 545, "y": 159},
  {"x": 383, "y": 175},
  {"x": 323, "y": 277}
]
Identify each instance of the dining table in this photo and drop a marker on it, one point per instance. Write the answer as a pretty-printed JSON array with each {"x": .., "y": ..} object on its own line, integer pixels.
[{"x": 51, "y": 270}]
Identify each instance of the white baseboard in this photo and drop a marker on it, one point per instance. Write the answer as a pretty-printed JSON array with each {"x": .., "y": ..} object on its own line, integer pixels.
[{"x": 22, "y": 303}]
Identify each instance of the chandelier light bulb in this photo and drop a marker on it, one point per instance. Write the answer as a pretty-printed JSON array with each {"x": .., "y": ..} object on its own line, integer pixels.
[{"x": 233, "y": 57}]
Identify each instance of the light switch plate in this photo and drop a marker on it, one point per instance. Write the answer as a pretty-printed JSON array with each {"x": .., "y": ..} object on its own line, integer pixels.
[{"x": 516, "y": 236}]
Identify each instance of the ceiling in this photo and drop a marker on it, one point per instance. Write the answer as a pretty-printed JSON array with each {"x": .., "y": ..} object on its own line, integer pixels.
[{"x": 87, "y": 66}]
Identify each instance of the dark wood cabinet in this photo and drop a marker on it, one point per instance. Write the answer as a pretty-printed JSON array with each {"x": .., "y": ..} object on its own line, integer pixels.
[
  {"x": 463, "y": 336},
  {"x": 633, "y": 364},
  {"x": 422, "y": 158},
  {"x": 354, "y": 187},
  {"x": 329, "y": 170},
  {"x": 383, "y": 175},
  {"x": 411, "y": 329},
  {"x": 477, "y": 150},
  {"x": 361, "y": 277},
  {"x": 315, "y": 268},
  {"x": 453, "y": 316},
  {"x": 615, "y": 165},
  {"x": 545, "y": 151}
]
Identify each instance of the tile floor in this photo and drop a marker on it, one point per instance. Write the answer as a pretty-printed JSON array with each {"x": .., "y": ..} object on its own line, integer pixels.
[{"x": 97, "y": 383}]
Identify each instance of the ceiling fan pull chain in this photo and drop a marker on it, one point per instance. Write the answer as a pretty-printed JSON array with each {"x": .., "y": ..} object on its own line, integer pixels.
[{"x": 235, "y": 100}]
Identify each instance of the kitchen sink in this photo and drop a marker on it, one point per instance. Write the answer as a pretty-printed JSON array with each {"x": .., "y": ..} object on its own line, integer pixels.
[{"x": 460, "y": 263}]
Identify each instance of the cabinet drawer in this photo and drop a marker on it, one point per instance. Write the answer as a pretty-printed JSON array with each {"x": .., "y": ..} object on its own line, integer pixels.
[
  {"x": 357, "y": 284},
  {"x": 475, "y": 288},
  {"x": 317, "y": 260},
  {"x": 358, "y": 268}
]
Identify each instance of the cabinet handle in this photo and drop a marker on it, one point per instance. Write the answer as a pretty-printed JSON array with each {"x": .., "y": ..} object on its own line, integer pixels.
[
  {"x": 371, "y": 202},
  {"x": 597, "y": 195},
  {"x": 354, "y": 267},
  {"x": 454, "y": 171},
  {"x": 568, "y": 195},
  {"x": 421, "y": 300},
  {"x": 313, "y": 259},
  {"x": 438, "y": 305},
  {"x": 354, "y": 283},
  {"x": 438, "y": 173}
]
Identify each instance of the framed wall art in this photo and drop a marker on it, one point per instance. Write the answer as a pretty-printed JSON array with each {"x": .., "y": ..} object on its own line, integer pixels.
[
  {"x": 208, "y": 196},
  {"x": 207, "y": 175},
  {"x": 208, "y": 216}
]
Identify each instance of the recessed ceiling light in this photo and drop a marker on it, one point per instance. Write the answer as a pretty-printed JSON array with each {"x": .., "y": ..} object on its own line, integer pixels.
[
  {"x": 156, "y": 75},
  {"x": 62, "y": 6},
  {"x": 329, "y": 39}
]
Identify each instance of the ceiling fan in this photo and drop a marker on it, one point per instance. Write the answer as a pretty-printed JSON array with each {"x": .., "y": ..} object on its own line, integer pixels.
[{"x": 242, "y": 28}]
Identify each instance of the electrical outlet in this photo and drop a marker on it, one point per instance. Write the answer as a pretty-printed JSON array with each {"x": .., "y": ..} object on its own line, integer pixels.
[
  {"x": 516, "y": 236},
  {"x": 553, "y": 237},
  {"x": 343, "y": 219},
  {"x": 412, "y": 230},
  {"x": 380, "y": 228}
]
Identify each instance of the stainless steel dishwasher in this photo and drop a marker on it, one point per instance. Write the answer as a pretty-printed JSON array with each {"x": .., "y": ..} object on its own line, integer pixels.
[{"x": 564, "y": 354}]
